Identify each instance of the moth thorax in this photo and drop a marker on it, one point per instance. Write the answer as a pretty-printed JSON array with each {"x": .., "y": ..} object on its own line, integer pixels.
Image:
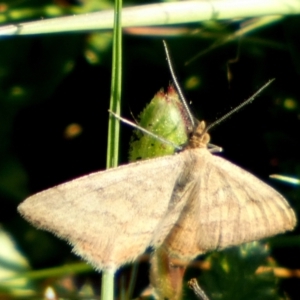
[{"x": 200, "y": 138}]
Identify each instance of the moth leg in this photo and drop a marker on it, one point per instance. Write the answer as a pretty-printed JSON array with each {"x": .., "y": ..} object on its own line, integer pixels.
[{"x": 214, "y": 148}]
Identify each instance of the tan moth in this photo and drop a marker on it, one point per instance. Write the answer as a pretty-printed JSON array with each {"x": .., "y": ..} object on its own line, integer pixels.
[{"x": 191, "y": 202}]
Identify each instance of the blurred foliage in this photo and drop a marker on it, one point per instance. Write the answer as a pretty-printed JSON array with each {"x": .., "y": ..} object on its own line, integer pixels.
[
  {"x": 27, "y": 10},
  {"x": 54, "y": 93},
  {"x": 237, "y": 273}
]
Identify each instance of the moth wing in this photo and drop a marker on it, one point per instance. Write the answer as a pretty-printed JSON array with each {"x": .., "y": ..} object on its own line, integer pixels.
[
  {"x": 109, "y": 216},
  {"x": 228, "y": 206},
  {"x": 239, "y": 207}
]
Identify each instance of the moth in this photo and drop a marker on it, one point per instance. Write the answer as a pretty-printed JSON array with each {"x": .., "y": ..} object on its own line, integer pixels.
[{"x": 190, "y": 202}]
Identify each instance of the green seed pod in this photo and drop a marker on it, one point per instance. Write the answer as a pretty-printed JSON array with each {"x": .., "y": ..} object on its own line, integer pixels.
[{"x": 166, "y": 117}]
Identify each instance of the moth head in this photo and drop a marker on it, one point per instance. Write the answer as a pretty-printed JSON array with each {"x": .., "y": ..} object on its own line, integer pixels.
[{"x": 199, "y": 138}]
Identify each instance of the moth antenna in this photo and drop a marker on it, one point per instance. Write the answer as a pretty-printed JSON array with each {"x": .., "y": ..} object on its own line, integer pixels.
[
  {"x": 212, "y": 148},
  {"x": 248, "y": 101},
  {"x": 159, "y": 138},
  {"x": 175, "y": 81}
]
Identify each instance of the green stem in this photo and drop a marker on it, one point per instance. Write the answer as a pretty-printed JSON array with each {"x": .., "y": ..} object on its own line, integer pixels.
[{"x": 107, "y": 291}]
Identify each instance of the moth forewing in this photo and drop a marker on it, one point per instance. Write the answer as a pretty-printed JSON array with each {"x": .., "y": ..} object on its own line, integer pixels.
[
  {"x": 227, "y": 206},
  {"x": 109, "y": 216}
]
